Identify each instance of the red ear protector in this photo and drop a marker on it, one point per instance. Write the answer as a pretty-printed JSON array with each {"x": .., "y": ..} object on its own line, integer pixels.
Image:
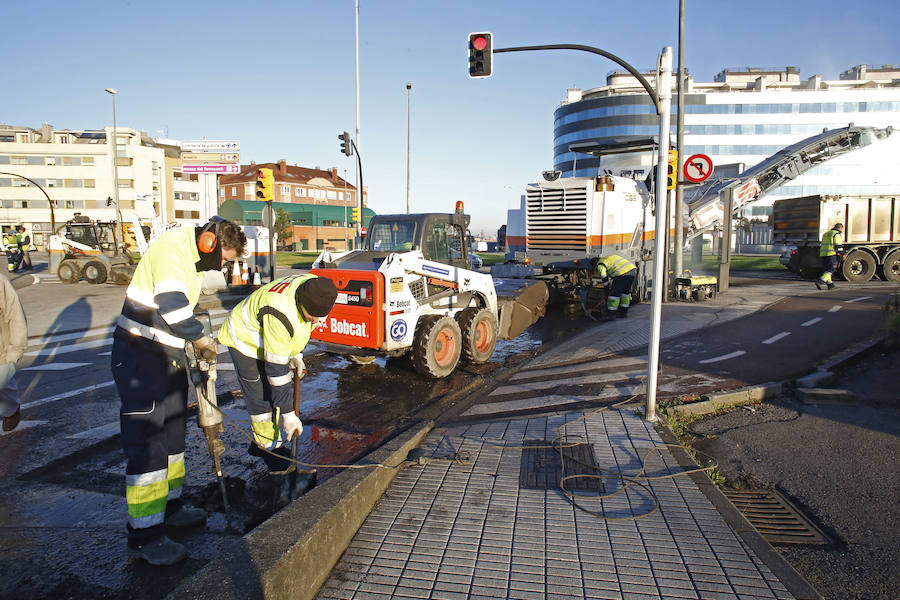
[{"x": 208, "y": 240}]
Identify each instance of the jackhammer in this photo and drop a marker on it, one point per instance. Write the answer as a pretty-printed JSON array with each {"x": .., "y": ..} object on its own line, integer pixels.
[{"x": 203, "y": 376}]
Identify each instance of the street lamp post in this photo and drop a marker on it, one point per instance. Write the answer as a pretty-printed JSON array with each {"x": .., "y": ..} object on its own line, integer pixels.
[
  {"x": 115, "y": 169},
  {"x": 408, "y": 88}
]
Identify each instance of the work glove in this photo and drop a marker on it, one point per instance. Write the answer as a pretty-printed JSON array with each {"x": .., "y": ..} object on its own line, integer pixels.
[
  {"x": 291, "y": 424},
  {"x": 298, "y": 366},
  {"x": 206, "y": 348},
  {"x": 7, "y": 370}
]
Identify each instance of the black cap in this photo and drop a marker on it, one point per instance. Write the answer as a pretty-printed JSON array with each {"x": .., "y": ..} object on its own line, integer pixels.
[{"x": 316, "y": 296}]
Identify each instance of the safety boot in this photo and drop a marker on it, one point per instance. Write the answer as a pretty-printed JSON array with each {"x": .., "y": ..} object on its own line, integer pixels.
[
  {"x": 160, "y": 551},
  {"x": 622, "y": 313},
  {"x": 830, "y": 286},
  {"x": 12, "y": 421},
  {"x": 818, "y": 284}
]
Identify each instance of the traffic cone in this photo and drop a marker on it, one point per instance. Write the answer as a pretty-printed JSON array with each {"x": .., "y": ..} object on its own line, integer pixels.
[
  {"x": 236, "y": 274},
  {"x": 256, "y": 280},
  {"x": 245, "y": 276}
]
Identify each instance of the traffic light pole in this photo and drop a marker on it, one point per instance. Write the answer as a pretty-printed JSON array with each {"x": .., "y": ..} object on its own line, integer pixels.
[{"x": 359, "y": 195}]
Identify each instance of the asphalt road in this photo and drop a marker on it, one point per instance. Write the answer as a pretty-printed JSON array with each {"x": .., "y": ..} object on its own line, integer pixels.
[{"x": 838, "y": 463}]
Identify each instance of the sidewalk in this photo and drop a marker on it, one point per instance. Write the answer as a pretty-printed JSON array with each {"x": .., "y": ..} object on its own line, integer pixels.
[{"x": 478, "y": 512}]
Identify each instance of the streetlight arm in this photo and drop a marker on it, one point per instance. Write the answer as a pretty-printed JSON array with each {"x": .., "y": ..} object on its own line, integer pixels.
[{"x": 43, "y": 191}]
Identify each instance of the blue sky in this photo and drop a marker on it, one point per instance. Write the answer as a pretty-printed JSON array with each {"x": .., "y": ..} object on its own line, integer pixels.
[{"x": 279, "y": 76}]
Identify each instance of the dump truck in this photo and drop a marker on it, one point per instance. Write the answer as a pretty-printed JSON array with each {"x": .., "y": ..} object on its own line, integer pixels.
[
  {"x": 871, "y": 233},
  {"x": 412, "y": 292}
]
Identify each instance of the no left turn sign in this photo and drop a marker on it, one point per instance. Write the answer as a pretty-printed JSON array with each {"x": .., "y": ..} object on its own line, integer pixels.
[{"x": 698, "y": 168}]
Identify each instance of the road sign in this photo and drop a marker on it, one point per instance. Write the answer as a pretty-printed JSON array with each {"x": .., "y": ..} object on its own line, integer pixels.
[
  {"x": 698, "y": 168},
  {"x": 210, "y": 157},
  {"x": 201, "y": 168},
  {"x": 268, "y": 216},
  {"x": 211, "y": 146}
]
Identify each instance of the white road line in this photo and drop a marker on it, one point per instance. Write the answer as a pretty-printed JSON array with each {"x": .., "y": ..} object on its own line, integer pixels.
[
  {"x": 22, "y": 425},
  {"x": 97, "y": 433},
  {"x": 777, "y": 337},
  {"x": 55, "y": 366},
  {"x": 723, "y": 357},
  {"x": 71, "y": 348},
  {"x": 68, "y": 394},
  {"x": 64, "y": 337},
  {"x": 811, "y": 322},
  {"x": 858, "y": 299},
  {"x": 104, "y": 353},
  {"x": 835, "y": 308}
]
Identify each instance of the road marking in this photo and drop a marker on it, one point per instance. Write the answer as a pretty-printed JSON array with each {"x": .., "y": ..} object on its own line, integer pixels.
[
  {"x": 811, "y": 322},
  {"x": 723, "y": 357},
  {"x": 64, "y": 337},
  {"x": 22, "y": 425},
  {"x": 105, "y": 353},
  {"x": 858, "y": 299},
  {"x": 68, "y": 394},
  {"x": 98, "y": 433},
  {"x": 71, "y": 348},
  {"x": 776, "y": 337},
  {"x": 55, "y": 366},
  {"x": 834, "y": 308}
]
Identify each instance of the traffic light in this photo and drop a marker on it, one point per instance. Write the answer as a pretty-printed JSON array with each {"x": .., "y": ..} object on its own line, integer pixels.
[
  {"x": 356, "y": 214},
  {"x": 265, "y": 185},
  {"x": 346, "y": 146},
  {"x": 480, "y": 53},
  {"x": 672, "y": 173}
]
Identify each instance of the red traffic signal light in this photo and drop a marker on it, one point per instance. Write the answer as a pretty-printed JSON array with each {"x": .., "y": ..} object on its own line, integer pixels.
[{"x": 481, "y": 52}]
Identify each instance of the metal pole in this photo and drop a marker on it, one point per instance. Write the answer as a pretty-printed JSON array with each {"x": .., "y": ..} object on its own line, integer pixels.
[
  {"x": 359, "y": 191},
  {"x": 271, "y": 241},
  {"x": 725, "y": 243},
  {"x": 679, "y": 177},
  {"x": 346, "y": 240},
  {"x": 115, "y": 142},
  {"x": 408, "y": 88},
  {"x": 664, "y": 92}
]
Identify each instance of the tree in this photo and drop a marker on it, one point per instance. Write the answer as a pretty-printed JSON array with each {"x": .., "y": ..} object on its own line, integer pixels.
[{"x": 282, "y": 225}]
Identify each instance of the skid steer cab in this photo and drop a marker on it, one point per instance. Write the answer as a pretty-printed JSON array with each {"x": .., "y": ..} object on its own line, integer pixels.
[{"x": 410, "y": 291}]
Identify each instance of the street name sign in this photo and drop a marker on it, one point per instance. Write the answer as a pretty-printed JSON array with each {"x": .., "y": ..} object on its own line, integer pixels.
[
  {"x": 211, "y": 146},
  {"x": 201, "y": 168},
  {"x": 211, "y": 157}
]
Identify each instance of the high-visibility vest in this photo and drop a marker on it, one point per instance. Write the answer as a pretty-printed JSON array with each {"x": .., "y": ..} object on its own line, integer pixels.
[
  {"x": 614, "y": 265},
  {"x": 12, "y": 242},
  {"x": 831, "y": 243},
  {"x": 160, "y": 300},
  {"x": 267, "y": 325}
]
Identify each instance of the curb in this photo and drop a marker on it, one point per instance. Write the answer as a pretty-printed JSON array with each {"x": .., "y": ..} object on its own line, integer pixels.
[
  {"x": 753, "y": 394},
  {"x": 292, "y": 553}
]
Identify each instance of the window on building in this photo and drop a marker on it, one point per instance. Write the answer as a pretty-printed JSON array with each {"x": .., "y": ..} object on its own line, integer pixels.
[
  {"x": 234, "y": 191},
  {"x": 330, "y": 223},
  {"x": 126, "y": 183},
  {"x": 286, "y": 190},
  {"x": 18, "y": 182},
  {"x": 90, "y": 183},
  {"x": 250, "y": 190},
  {"x": 124, "y": 161},
  {"x": 50, "y": 160},
  {"x": 194, "y": 197},
  {"x": 177, "y": 195},
  {"x": 300, "y": 191},
  {"x": 20, "y": 204},
  {"x": 18, "y": 160},
  {"x": 67, "y": 161},
  {"x": 348, "y": 196},
  {"x": 70, "y": 204},
  {"x": 23, "y": 138},
  {"x": 52, "y": 183},
  {"x": 221, "y": 192},
  {"x": 87, "y": 161},
  {"x": 331, "y": 195}
]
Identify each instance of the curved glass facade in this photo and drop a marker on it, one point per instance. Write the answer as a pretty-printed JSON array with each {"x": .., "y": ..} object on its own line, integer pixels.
[{"x": 743, "y": 126}]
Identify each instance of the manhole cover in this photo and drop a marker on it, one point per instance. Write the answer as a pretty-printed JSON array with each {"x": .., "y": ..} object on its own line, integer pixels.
[
  {"x": 542, "y": 467},
  {"x": 775, "y": 517}
]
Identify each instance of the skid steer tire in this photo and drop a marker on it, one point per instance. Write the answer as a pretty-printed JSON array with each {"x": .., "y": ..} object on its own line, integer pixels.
[
  {"x": 68, "y": 271},
  {"x": 95, "y": 272},
  {"x": 437, "y": 346},
  {"x": 479, "y": 329},
  {"x": 361, "y": 359}
]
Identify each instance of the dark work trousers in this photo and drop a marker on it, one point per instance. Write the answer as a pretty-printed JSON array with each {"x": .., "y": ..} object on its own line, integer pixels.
[
  {"x": 622, "y": 284},
  {"x": 153, "y": 388}
]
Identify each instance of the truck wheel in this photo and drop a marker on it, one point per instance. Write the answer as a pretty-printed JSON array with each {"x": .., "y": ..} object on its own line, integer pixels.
[
  {"x": 892, "y": 266},
  {"x": 479, "y": 334},
  {"x": 68, "y": 271},
  {"x": 437, "y": 346},
  {"x": 95, "y": 272},
  {"x": 858, "y": 267}
]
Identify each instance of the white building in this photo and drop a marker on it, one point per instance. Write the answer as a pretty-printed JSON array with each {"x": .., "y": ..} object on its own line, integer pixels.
[
  {"x": 75, "y": 168},
  {"x": 743, "y": 117}
]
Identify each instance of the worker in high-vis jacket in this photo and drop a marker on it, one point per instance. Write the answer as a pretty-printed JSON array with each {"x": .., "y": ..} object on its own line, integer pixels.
[
  {"x": 617, "y": 275},
  {"x": 148, "y": 356},
  {"x": 265, "y": 335},
  {"x": 831, "y": 250}
]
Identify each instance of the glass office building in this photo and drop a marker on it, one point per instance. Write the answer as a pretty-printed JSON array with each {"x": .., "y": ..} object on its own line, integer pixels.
[{"x": 741, "y": 118}]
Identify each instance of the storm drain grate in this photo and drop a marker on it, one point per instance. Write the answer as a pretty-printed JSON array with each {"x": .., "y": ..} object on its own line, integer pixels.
[
  {"x": 775, "y": 517},
  {"x": 541, "y": 467}
]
